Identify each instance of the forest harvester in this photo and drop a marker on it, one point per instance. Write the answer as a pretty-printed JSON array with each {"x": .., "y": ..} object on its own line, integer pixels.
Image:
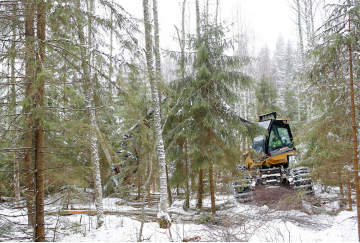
[{"x": 267, "y": 165}]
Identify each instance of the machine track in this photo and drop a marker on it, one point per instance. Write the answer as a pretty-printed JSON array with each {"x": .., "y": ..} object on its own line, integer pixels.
[
  {"x": 243, "y": 187},
  {"x": 297, "y": 178},
  {"x": 300, "y": 179}
]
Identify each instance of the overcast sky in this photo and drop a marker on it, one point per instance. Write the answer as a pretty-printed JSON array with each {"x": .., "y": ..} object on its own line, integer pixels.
[{"x": 267, "y": 18}]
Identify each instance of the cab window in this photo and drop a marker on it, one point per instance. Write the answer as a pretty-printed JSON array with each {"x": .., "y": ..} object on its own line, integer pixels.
[{"x": 279, "y": 138}]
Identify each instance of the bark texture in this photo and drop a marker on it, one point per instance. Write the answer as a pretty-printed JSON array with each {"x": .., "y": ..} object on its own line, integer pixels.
[
  {"x": 164, "y": 218},
  {"x": 13, "y": 111},
  {"x": 301, "y": 42},
  {"x": 212, "y": 188},
  {"x": 94, "y": 148},
  {"x": 39, "y": 90},
  {"x": 187, "y": 186},
  {"x": 200, "y": 187},
  {"x": 197, "y": 18},
  {"x": 354, "y": 138},
  {"x": 349, "y": 191},
  {"x": 29, "y": 79}
]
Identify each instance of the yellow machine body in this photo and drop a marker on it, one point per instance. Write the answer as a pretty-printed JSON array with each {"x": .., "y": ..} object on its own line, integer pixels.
[
  {"x": 269, "y": 162},
  {"x": 268, "y": 156}
]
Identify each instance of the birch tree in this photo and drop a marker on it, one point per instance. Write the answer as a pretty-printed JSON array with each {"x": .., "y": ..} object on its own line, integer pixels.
[
  {"x": 163, "y": 217},
  {"x": 89, "y": 94}
]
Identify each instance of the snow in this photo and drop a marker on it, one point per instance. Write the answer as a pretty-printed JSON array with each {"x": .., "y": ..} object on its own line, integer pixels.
[{"x": 235, "y": 222}]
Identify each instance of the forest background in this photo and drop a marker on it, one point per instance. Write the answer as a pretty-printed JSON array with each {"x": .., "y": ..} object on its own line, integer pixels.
[{"x": 75, "y": 97}]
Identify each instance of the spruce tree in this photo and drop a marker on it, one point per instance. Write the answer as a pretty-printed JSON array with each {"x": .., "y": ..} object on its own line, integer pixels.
[
  {"x": 51, "y": 98},
  {"x": 204, "y": 111},
  {"x": 331, "y": 78}
]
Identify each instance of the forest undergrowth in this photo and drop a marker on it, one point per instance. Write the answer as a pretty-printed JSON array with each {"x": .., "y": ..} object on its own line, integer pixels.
[{"x": 271, "y": 210}]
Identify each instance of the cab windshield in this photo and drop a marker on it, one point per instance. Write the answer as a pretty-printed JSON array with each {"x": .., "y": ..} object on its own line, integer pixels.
[
  {"x": 279, "y": 138},
  {"x": 259, "y": 141},
  {"x": 259, "y": 144},
  {"x": 264, "y": 124}
]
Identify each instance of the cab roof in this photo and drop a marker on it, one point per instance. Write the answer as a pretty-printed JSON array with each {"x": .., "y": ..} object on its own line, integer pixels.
[{"x": 271, "y": 116}]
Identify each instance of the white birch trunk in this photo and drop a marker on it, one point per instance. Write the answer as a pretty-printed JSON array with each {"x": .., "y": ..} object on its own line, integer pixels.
[
  {"x": 308, "y": 35},
  {"x": 95, "y": 162},
  {"x": 312, "y": 13},
  {"x": 301, "y": 42},
  {"x": 94, "y": 156},
  {"x": 197, "y": 19},
  {"x": 307, "y": 22},
  {"x": 94, "y": 151},
  {"x": 301, "y": 45},
  {"x": 157, "y": 42},
  {"x": 102, "y": 143},
  {"x": 111, "y": 44},
  {"x": 162, "y": 214}
]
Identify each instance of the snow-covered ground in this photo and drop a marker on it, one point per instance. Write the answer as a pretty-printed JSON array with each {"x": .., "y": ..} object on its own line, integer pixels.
[{"x": 234, "y": 222}]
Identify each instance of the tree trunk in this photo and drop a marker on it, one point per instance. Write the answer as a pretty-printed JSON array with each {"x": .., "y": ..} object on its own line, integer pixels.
[
  {"x": 182, "y": 46},
  {"x": 212, "y": 188},
  {"x": 158, "y": 76},
  {"x": 157, "y": 50},
  {"x": 341, "y": 185},
  {"x": 95, "y": 162},
  {"x": 138, "y": 183},
  {"x": 94, "y": 155},
  {"x": 148, "y": 185},
  {"x": 111, "y": 43},
  {"x": 312, "y": 13},
  {"x": 182, "y": 41},
  {"x": 164, "y": 218},
  {"x": 94, "y": 150},
  {"x": 349, "y": 191},
  {"x": 168, "y": 186},
  {"x": 149, "y": 171},
  {"x": 353, "y": 115},
  {"x": 13, "y": 110},
  {"x": 149, "y": 166},
  {"x": 217, "y": 12},
  {"x": 187, "y": 189},
  {"x": 197, "y": 19},
  {"x": 310, "y": 44},
  {"x": 39, "y": 93},
  {"x": 29, "y": 79},
  {"x": 301, "y": 44},
  {"x": 138, "y": 172},
  {"x": 307, "y": 22},
  {"x": 201, "y": 189}
]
